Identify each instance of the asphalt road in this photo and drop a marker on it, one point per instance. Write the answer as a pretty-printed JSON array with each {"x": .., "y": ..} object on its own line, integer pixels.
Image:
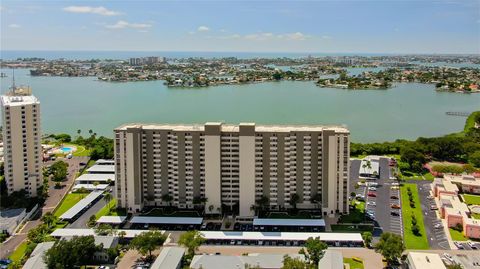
[{"x": 55, "y": 196}]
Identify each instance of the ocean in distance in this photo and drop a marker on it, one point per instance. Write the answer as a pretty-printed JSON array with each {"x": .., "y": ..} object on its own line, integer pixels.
[
  {"x": 86, "y": 55},
  {"x": 408, "y": 111}
]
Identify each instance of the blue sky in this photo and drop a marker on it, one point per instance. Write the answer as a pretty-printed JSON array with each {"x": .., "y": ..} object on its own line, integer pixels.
[{"x": 362, "y": 26}]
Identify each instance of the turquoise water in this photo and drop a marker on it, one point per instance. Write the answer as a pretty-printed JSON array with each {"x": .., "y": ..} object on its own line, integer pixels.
[
  {"x": 405, "y": 111},
  {"x": 66, "y": 149}
]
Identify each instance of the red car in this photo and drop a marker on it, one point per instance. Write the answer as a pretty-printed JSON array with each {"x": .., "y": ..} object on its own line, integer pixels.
[{"x": 372, "y": 194}]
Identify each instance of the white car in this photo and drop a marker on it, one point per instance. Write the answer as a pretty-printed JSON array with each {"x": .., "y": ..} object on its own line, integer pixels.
[
  {"x": 372, "y": 203},
  {"x": 448, "y": 257},
  {"x": 372, "y": 188},
  {"x": 438, "y": 226},
  {"x": 472, "y": 245}
]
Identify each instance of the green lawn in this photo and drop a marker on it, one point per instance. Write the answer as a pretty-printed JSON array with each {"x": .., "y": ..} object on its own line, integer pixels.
[
  {"x": 70, "y": 200},
  {"x": 475, "y": 216},
  {"x": 456, "y": 235},
  {"x": 353, "y": 264},
  {"x": 412, "y": 241},
  {"x": 19, "y": 252},
  {"x": 113, "y": 211},
  {"x": 81, "y": 151},
  {"x": 471, "y": 199},
  {"x": 417, "y": 176}
]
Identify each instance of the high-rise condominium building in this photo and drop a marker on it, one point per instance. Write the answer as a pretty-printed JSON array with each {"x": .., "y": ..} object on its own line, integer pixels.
[
  {"x": 232, "y": 166},
  {"x": 22, "y": 140}
]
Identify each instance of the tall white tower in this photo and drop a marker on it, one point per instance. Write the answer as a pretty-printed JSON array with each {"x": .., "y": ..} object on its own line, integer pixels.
[{"x": 22, "y": 140}]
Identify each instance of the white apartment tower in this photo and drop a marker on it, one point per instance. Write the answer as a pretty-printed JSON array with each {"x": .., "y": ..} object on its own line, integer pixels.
[
  {"x": 22, "y": 140},
  {"x": 233, "y": 166}
]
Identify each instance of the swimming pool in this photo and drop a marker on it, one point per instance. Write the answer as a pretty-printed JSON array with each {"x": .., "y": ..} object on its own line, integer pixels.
[{"x": 66, "y": 149}]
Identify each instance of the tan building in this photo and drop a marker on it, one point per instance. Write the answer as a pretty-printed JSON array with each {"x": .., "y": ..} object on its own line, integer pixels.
[
  {"x": 232, "y": 166},
  {"x": 22, "y": 140}
]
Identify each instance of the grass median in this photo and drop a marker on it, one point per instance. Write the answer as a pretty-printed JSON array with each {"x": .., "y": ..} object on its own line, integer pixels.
[
  {"x": 354, "y": 264},
  {"x": 411, "y": 240}
]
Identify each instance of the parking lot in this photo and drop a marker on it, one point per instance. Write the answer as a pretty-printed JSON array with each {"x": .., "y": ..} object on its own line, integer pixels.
[
  {"x": 433, "y": 225},
  {"x": 380, "y": 197}
]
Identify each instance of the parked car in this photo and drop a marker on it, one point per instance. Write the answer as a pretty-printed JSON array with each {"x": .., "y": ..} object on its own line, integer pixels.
[
  {"x": 438, "y": 226},
  {"x": 395, "y": 213},
  {"x": 472, "y": 245},
  {"x": 372, "y": 188},
  {"x": 372, "y": 203},
  {"x": 458, "y": 245},
  {"x": 433, "y": 207},
  {"x": 395, "y": 206},
  {"x": 448, "y": 257},
  {"x": 394, "y": 197},
  {"x": 372, "y": 194}
]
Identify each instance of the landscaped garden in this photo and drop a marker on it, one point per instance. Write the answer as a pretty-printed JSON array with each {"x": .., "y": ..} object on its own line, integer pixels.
[{"x": 414, "y": 235}]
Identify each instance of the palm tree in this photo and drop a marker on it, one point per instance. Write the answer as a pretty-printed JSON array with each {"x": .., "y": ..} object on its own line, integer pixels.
[
  {"x": 263, "y": 202},
  {"x": 167, "y": 198},
  {"x": 90, "y": 131},
  {"x": 108, "y": 197},
  {"x": 95, "y": 184},
  {"x": 316, "y": 199},
  {"x": 210, "y": 208},
  {"x": 294, "y": 199},
  {"x": 49, "y": 219},
  {"x": 79, "y": 131}
]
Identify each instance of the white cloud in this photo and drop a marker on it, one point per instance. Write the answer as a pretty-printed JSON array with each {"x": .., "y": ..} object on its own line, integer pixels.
[
  {"x": 295, "y": 36},
  {"x": 125, "y": 24},
  {"x": 203, "y": 29},
  {"x": 14, "y": 25},
  {"x": 326, "y": 37},
  {"x": 261, "y": 36},
  {"x": 91, "y": 10}
]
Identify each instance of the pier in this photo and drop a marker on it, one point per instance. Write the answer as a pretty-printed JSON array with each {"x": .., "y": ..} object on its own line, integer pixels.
[{"x": 459, "y": 114}]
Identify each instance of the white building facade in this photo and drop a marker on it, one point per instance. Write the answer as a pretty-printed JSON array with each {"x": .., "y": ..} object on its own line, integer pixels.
[
  {"x": 22, "y": 141},
  {"x": 232, "y": 166}
]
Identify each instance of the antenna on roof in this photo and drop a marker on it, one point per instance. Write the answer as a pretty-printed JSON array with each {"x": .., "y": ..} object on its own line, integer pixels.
[{"x": 13, "y": 78}]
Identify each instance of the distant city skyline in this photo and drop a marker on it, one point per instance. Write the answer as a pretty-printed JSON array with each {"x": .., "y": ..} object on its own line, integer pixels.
[{"x": 361, "y": 26}]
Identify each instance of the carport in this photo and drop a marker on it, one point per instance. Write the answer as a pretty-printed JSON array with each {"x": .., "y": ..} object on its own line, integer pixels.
[
  {"x": 315, "y": 225},
  {"x": 280, "y": 238},
  {"x": 168, "y": 222}
]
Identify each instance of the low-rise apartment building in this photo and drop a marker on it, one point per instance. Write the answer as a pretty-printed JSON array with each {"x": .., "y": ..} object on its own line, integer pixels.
[
  {"x": 452, "y": 209},
  {"x": 232, "y": 166}
]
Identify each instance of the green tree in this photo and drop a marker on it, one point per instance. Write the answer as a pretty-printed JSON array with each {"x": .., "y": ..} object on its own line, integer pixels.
[
  {"x": 294, "y": 199},
  {"x": 294, "y": 263},
  {"x": 191, "y": 240},
  {"x": 314, "y": 250},
  {"x": 92, "y": 221},
  {"x": 108, "y": 197},
  {"x": 49, "y": 219},
  {"x": 367, "y": 238},
  {"x": 73, "y": 253},
  {"x": 167, "y": 198},
  {"x": 474, "y": 158},
  {"x": 263, "y": 202},
  {"x": 58, "y": 170},
  {"x": 147, "y": 242},
  {"x": 390, "y": 246}
]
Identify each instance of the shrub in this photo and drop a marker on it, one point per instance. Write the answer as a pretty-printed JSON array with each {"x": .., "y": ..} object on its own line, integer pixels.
[
  {"x": 458, "y": 227},
  {"x": 412, "y": 204},
  {"x": 415, "y": 230},
  {"x": 414, "y": 220}
]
